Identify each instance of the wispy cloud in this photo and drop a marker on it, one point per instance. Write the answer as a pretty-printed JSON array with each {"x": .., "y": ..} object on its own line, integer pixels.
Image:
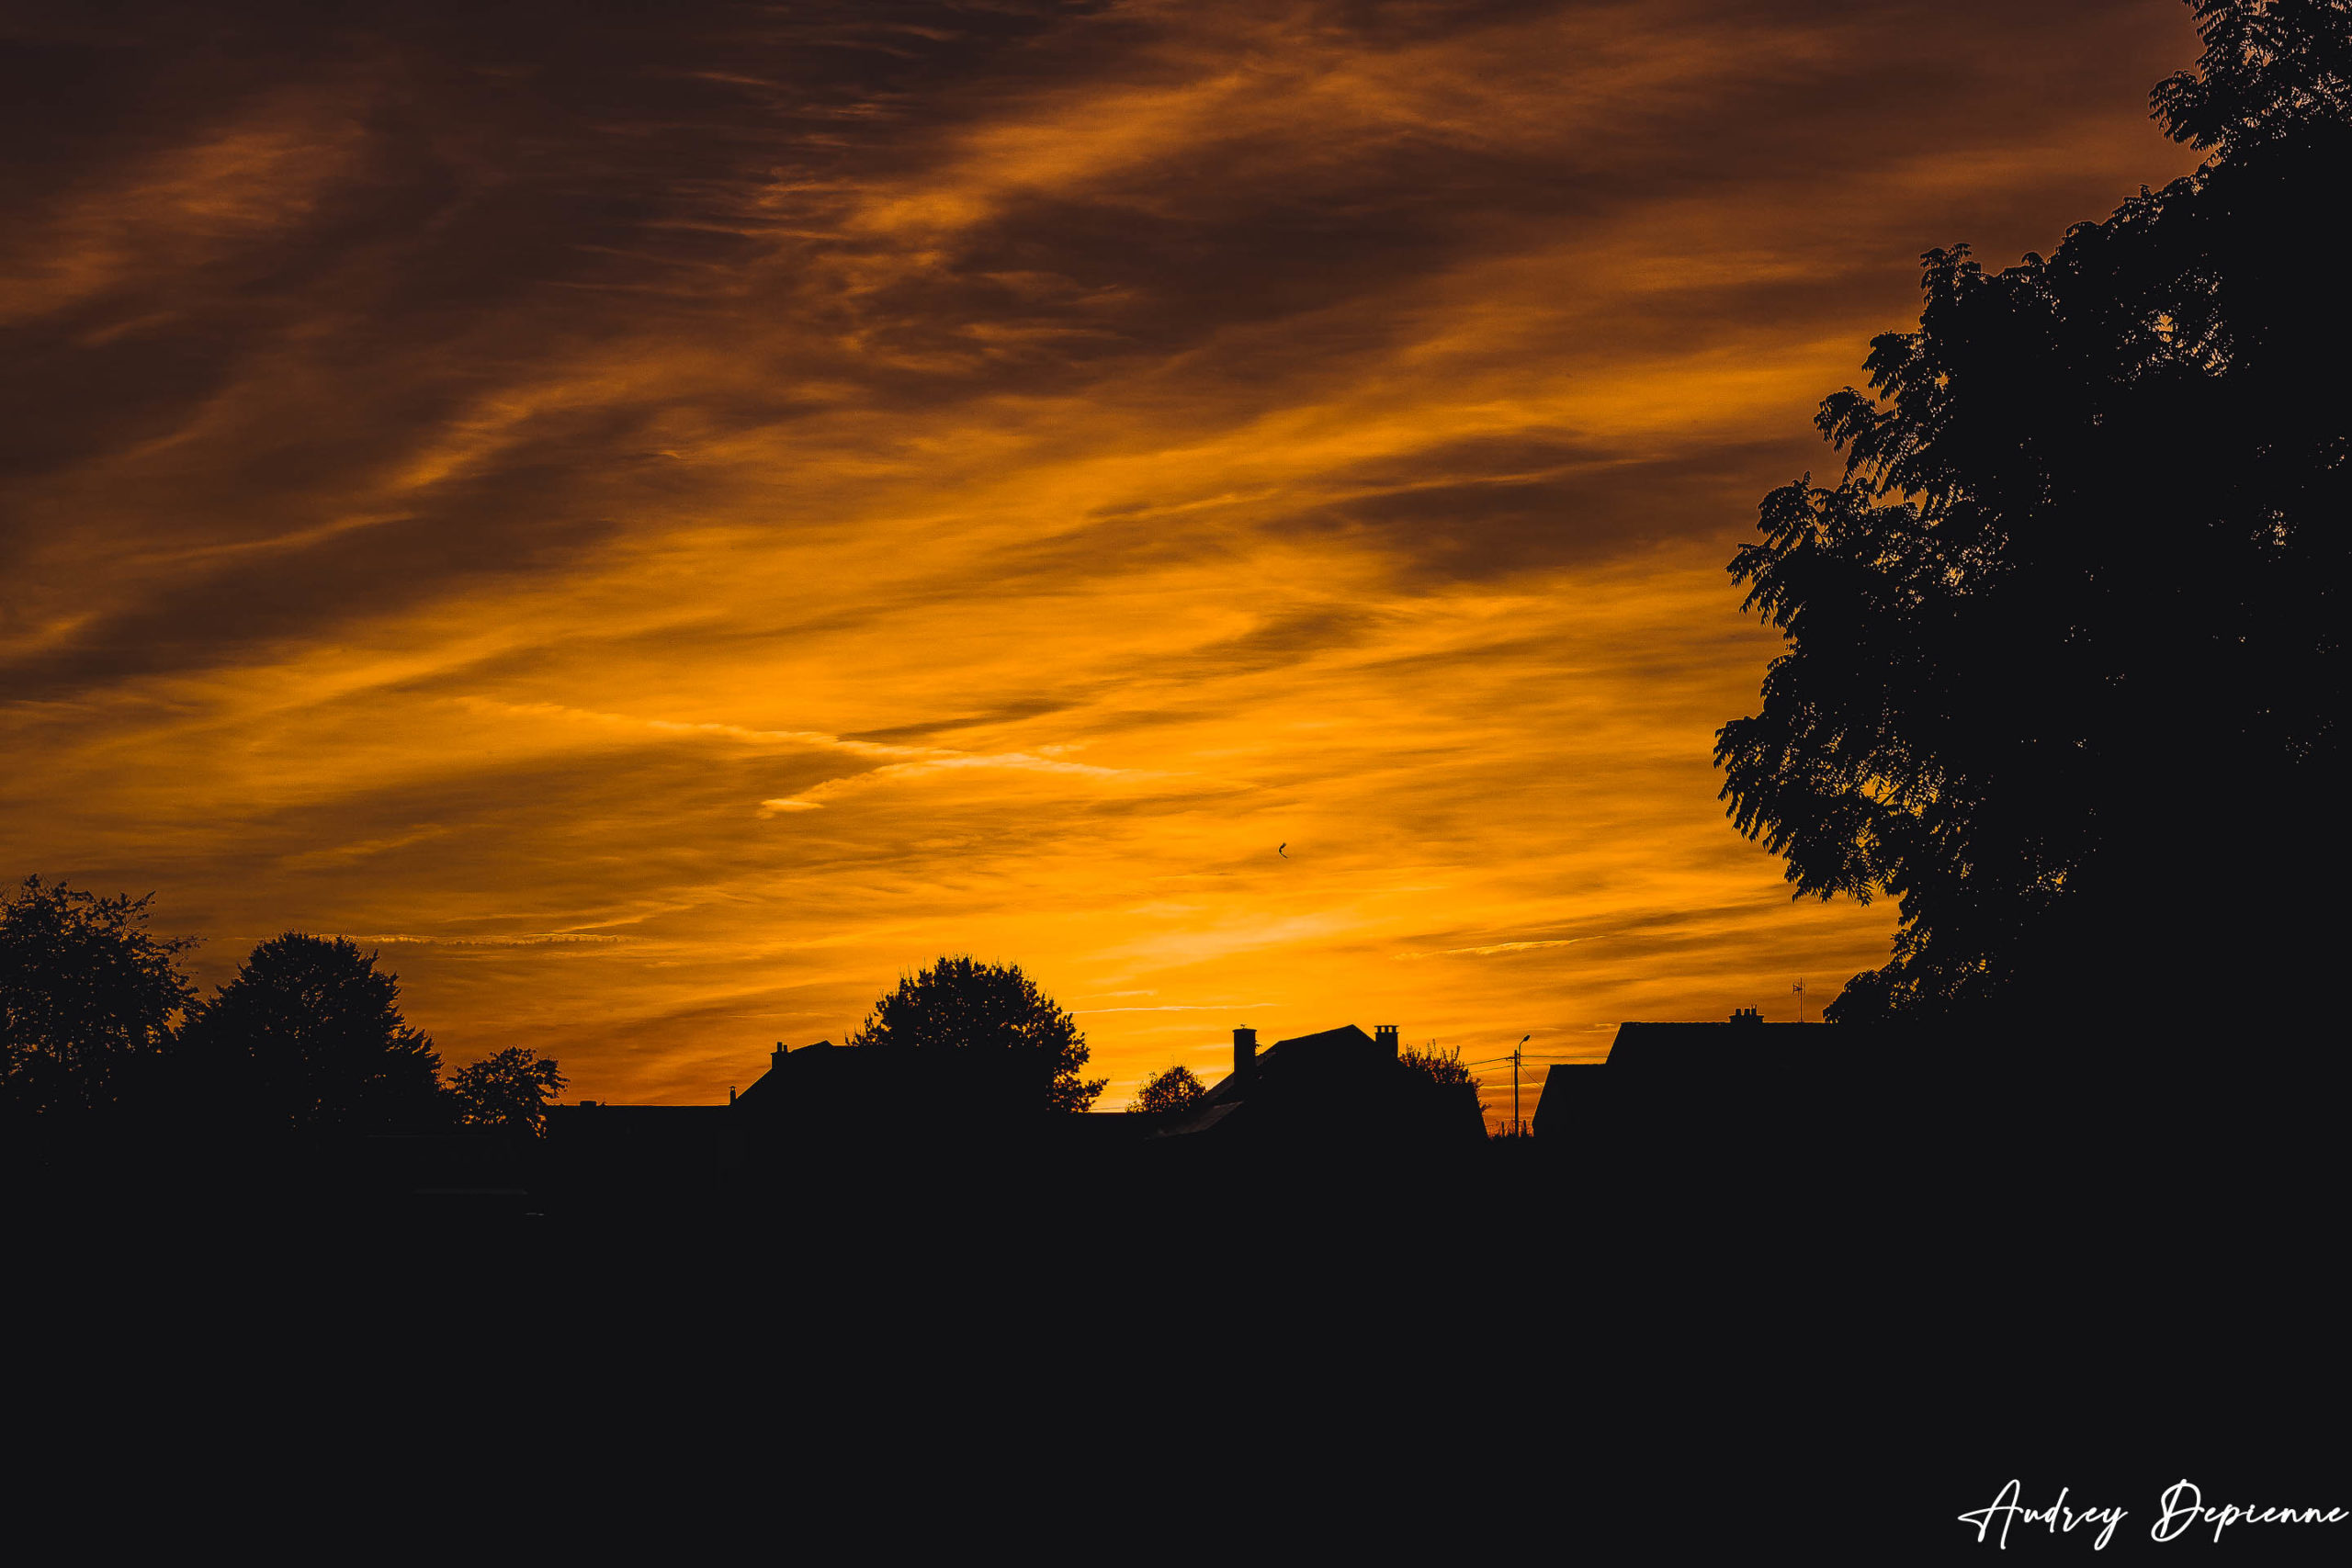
[
  {"x": 528, "y": 938},
  {"x": 923, "y": 760},
  {"x": 804, "y": 738},
  {"x": 346, "y": 854},
  {"x": 1496, "y": 947},
  {"x": 1189, "y": 1007}
]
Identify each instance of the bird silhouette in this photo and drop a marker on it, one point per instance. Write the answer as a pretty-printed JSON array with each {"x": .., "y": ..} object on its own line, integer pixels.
[{"x": 1281, "y": 848}]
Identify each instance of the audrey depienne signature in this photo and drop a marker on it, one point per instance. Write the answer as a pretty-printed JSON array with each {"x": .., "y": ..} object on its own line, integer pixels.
[{"x": 2181, "y": 1508}]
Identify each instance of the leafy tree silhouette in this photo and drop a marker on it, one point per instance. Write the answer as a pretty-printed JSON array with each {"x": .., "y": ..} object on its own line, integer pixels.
[
  {"x": 959, "y": 1004},
  {"x": 86, "y": 998},
  {"x": 1445, "y": 1073},
  {"x": 1441, "y": 1067},
  {"x": 309, "y": 1038},
  {"x": 510, "y": 1091},
  {"x": 2064, "y": 667},
  {"x": 1168, "y": 1091}
]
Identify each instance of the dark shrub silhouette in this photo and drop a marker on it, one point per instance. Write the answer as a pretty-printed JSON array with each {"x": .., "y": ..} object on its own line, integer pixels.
[
  {"x": 2065, "y": 660},
  {"x": 86, "y": 998},
  {"x": 961, "y": 1005},
  {"x": 1447, "y": 1079},
  {"x": 308, "y": 1039},
  {"x": 1165, "y": 1093},
  {"x": 510, "y": 1091},
  {"x": 1438, "y": 1067}
]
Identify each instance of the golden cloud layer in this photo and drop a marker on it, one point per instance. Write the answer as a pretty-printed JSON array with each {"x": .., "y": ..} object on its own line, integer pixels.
[{"x": 664, "y": 525}]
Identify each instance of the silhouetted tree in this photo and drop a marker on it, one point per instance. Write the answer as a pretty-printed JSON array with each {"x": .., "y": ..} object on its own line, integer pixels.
[
  {"x": 1438, "y": 1067},
  {"x": 511, "y": 1090},
  {"x": 86, "y": 998},
  {"x": 309, "y": 1038},
  {"x": 2064, "y": 667},
  {"x": 1168, "y": 1091},
  {"x": 962, "y": 1005},
  {"x": 1444, "y": 1072}
]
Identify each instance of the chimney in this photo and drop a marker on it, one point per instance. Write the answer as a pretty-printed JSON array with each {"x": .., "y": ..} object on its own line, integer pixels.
[
  {"x": 776, "y": 1058},
  {"x": 1747, "y": 1015},
  {"x": 1384, "y": 1037},
  {"x": 1244, "y": 1052}
]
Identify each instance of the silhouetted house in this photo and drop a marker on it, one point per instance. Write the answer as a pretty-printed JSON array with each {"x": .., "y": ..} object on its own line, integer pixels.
[
  {"x": 1340, "y": 1086},
  {"x": 1693, "y": 1056},
  {"x": 857, "y": 1120},
  {"x": 829, "y": 1094},
  {"x": 799, "y": 1083},
  {"x": 833, "y": 1114}
]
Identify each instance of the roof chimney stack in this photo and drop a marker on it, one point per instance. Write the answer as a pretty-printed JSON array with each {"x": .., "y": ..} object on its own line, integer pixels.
[
  {"x": 1747, "y": 1015},
  {"x": 1244, "y": 1052},
  {"x": 1384, "y": 1037}
]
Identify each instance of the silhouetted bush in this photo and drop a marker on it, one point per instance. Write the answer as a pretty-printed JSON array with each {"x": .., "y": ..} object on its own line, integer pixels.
[
  {"x": 1165, "y": 1093},
  {"x": 510, "y": 1091},
  {"x": 1442, "y": 1070},
  {"x": 1438, "y": 1067}
]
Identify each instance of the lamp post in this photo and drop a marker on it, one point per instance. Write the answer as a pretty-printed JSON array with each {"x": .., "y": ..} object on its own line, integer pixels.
[{"x": 1518, "y": 1128}]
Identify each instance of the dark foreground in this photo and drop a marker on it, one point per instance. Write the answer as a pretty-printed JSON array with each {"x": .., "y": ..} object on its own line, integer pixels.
[{"x": 1841, "y": 1308}]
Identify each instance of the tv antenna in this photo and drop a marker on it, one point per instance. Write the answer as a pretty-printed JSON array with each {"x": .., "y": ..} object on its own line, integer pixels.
[{"x": 1796, "y": 988}]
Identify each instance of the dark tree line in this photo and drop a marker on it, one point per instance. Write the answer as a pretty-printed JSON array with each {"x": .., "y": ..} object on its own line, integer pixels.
[
  {"x": 2064, "y": 667},
  {"x": 96, "y": 1020},
  {"x": 99, "y": 1023}
]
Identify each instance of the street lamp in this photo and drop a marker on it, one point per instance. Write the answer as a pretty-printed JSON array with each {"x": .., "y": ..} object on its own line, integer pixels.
[{"x": 1518, "y": 1128}]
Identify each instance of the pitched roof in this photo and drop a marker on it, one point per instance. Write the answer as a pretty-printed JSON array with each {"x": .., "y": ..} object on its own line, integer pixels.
[
  {"x": 1343, "y": 1047},
  {"x": 1706, "y": 1047},
  {"x": 1345, "y": 1037},
  {"x": 1336, "y": 1082},
  {"x": 799, "y": 1065}
]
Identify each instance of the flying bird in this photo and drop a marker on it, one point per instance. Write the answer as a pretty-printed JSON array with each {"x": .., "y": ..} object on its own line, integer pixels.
[{"x": 1281, "y": 848}]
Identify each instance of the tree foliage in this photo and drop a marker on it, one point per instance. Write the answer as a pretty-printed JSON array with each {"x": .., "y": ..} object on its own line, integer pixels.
[
  {"x": 2278, "y": 71},
  {"x": 1439, "y": 1067},
  {"x": 959, "y": 1004},
  {"x": 510, "y": 1091},
  {"x": 1164, "y": 1093},
  {"x": 2064, "y": 649},
  {"x": 309, "y": 1037},
  {"x": 87, "y": 997}
]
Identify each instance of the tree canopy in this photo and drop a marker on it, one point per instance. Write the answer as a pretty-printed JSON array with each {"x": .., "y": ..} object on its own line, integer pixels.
[
  {"x": 1441, "y": 1067},
  {"x": 960, "y": 1004},
  {"x": 309, "y": 1037},
  {"x": 87, "y": 997},
  {"x": 509, "y": 1091},
  {"x": 2065, "y": 647},
  {"x": 1166, "y": 1092}
]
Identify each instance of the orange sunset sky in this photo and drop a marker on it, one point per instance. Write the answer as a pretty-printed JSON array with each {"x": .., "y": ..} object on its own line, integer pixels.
[{"x": 662, "y": 518}]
